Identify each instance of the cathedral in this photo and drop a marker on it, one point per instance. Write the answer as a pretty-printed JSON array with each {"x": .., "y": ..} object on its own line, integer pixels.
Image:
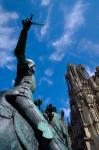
[{"x": 84, "y": 104}]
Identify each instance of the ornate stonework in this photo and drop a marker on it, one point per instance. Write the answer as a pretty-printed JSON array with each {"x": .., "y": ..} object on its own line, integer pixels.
[{"x": 84, "y": 103}]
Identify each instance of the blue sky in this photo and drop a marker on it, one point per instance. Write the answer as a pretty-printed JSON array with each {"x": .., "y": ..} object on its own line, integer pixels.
[{"x": 70, "y": 35}]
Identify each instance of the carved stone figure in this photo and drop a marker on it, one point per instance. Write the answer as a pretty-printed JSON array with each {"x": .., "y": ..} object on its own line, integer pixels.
[{"x": 96, "y": 79}]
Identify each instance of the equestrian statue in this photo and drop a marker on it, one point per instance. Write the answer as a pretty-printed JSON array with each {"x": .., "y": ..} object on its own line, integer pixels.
[{"x": 22, "y": 125}]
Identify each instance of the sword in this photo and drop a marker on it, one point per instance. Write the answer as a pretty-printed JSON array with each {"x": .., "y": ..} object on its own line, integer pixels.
[{"x": 35, "y": 23}]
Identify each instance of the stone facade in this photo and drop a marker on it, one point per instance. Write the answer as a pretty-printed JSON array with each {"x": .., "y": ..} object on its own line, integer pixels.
[{"x": 84, "y": 104}]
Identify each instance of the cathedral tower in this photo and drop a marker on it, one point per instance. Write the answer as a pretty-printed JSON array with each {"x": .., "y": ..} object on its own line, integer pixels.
[{"x": 84, "y": 104}]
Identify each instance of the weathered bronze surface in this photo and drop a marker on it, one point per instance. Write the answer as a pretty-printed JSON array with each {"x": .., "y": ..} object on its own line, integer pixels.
[{"x": 22, "y": 125}]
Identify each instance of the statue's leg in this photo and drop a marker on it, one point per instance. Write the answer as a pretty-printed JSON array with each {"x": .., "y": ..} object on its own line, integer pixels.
[
  {"x": 53, "y": 146},
  {"x": 27, "y": 110},
  {"x": 22, "y": 127}
]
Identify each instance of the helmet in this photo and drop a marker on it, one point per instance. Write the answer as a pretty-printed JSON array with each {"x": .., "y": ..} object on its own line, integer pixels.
[{"x": 31, "y": 64}]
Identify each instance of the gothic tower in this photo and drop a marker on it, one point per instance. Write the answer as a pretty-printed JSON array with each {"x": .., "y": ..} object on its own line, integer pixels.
[{"x": 84, "y": 104}]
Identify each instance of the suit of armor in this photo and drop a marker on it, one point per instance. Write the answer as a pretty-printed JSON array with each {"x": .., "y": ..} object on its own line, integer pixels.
[
  {"x": 24, "y": 87},
  {"x": 30, "y": 124}
]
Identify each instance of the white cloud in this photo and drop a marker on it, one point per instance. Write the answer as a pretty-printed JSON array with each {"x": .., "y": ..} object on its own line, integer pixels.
[
  {"x": 41, "y": 58},
  {"x": 7, "y": 37},
  {"x": 12, "y": 82},
  {"x": 73, "y": 21},
  {"x": 6, "y": 16},
  {"x": 45, "y": 28},
  {"x": 6, "y": 60},
  {"x": 89, "y": 46},
  {"x": 7, "y": 42},
  {"x": 90, "y": 71},
  {"x": 45, "y": 79},
  {"x": 49, "y": 72},
  {"x": 45, "y": 2}
]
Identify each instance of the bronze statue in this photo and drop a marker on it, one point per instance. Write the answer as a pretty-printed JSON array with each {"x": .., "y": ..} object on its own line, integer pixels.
[
  {"x": 15, "y": 131},
  {"x": 22, "y": 125}
]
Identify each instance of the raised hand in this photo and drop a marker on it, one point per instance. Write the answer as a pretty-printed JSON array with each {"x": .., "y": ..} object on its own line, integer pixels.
[{"x": 27, "y": 23}]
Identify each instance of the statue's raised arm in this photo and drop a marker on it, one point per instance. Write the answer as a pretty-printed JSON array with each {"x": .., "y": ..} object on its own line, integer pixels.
[
  {"x": 21, "y": 45},
  {"x": 22, "y": 124},
  {"x": 25, "y": 67}
]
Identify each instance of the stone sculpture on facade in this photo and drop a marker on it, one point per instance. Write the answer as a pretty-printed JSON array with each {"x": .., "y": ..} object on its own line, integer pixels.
[{"x": 96, "y": 83}]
